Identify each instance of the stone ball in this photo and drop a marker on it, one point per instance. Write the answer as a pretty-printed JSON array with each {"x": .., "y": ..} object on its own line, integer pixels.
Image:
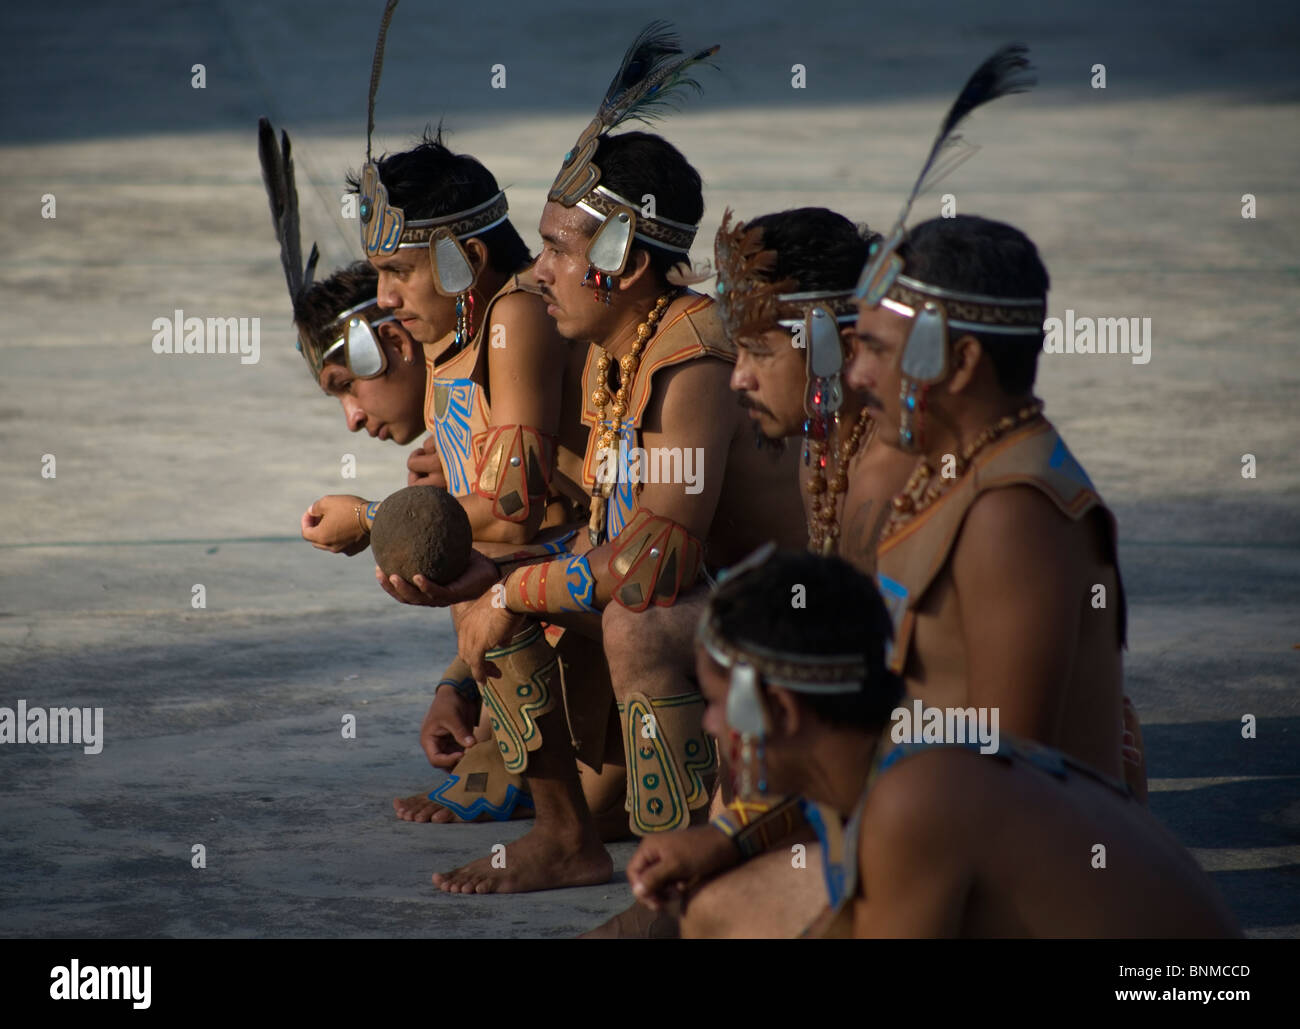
[{"x": 422, "y": 530}]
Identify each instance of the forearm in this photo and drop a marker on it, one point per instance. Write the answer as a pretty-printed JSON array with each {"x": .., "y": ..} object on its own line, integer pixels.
[
  {"x": 509, "y": 557},
  {"x": 565, "y": 585},
  {"x": 754, "y": 827},
  {"x": 651, "y": 561},
  {"x": 486, "y": 527},
  {"x": 365, "y": 513}
]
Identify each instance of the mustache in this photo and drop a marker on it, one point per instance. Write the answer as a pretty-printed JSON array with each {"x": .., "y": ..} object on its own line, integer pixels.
[
  {"x": 749, "y": 404},
  {"x": 869, "y": 398}
]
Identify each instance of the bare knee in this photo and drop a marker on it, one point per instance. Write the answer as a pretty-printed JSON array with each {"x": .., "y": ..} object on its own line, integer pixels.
[
  {"x": 789, "y": 894},
  {"x": 657, "y": 633}
]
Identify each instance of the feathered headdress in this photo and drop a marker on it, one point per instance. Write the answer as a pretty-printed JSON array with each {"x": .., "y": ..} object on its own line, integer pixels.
[
  {"x": 385, "y": 229},
  {"x": 923, "y": 360},
  {"x": 651, "y": 80},
  {"x": 1006, "y": 72},
  {"x": 747, "y": 297},
  {"x": 355, "y": 325},
  {"x": 282, "y": 192}
]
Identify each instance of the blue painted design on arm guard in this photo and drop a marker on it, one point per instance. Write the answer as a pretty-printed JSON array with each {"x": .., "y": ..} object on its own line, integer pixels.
[{"x": 581, "y": 584}]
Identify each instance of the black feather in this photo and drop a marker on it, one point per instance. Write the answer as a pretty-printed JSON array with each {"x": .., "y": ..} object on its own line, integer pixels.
[
  {"x": 651, "y": 77},
  {"x": 282, "y": 193},
  {"x": 376, "y": 67},
  {"x": 654, "y": 43},
  {"x": 1007, "y": 71}
]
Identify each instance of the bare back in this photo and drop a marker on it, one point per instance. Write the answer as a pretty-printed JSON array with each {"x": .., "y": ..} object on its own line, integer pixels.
[{"x": 957, "y": 843}]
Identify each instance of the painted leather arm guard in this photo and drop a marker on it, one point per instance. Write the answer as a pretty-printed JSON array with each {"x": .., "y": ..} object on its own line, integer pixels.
[
  {"x": 552, "y": 587},
  {"x": 515, "y": 469},
  {"x": 654, "y": 560},
  {"x": 755, "y": 827}
]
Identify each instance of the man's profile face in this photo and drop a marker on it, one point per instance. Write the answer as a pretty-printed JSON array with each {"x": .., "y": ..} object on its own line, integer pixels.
[
  {"x": 390, "y": 407},
  {"x": 770, "y": 379},
  {"x": 715, "y": 685},
  {"x": 560, "y": 269},
  {"x": 406, "y": 289},
  {"x": 872, "y": 368}
]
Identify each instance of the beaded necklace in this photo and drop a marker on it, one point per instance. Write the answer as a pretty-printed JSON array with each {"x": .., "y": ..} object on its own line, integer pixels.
[
  {"x": 600, "y": 397},
  {"x": 824, "y": 519},
  {"x": 923, "y": 489}
]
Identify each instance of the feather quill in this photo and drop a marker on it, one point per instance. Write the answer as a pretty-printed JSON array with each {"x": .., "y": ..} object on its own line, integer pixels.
[
  {"x": 1006, "y": 72},
  {"x": 282, "y": 193},
  {"x": 377, "y": 67}
]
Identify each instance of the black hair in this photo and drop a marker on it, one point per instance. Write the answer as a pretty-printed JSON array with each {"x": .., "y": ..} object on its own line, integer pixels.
[
  {"x": 819, "y": 249},
  {"x": 803, "y": 603},
  {"x": 318, "y": 306},
  {"x": 978, "y": 255},
  {"x": 634, "y": 164},
  {"x": 429, "y": 181}
]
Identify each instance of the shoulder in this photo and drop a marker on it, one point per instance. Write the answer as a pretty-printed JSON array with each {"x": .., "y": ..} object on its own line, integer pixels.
[
  {"x": 693, "y": 397},
  {"x": 692, "y": 322},
  {"x": 1013, "y": 520},
  {"x": 921, "y": 804},
  {"x": 699, "y": 379},
  {"x": 520, "y": 303},
  {"x": 522, "y": 314}
]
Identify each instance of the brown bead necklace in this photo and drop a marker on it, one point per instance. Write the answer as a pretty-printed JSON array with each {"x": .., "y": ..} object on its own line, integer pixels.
[
  {"x": 824, "y": 519},
  {"x": 923, "y": 488},
  {"x": 600, "y": 398}
]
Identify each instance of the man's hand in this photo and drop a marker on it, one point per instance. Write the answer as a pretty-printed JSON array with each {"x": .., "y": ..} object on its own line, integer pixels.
[
  {"x": 479, "y": 576},
  {"x": 424, "y": 466},
  {"x": 482, "y": 627},
  {"x": 332, "y": 524},
  {"x": 669, "y": 864},
  {"x": 448, "y": 728}
]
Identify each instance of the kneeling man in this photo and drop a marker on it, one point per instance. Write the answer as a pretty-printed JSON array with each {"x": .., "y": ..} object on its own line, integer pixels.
[{"x": 1002, "y": 839}]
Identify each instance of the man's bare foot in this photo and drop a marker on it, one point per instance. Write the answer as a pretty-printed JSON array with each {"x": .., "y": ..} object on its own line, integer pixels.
[
  {"x": 419, "y": 808},
  {"x": 638, "y": 923},
  {"x": 537, "y": 861}
]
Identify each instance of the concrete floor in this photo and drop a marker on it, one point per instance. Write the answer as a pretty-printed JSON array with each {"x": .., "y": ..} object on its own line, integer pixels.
[{"x": 222, "y": 725}]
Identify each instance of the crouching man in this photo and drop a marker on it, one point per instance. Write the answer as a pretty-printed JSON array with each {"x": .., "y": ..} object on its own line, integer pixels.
[{"x": 940, "y": 839}]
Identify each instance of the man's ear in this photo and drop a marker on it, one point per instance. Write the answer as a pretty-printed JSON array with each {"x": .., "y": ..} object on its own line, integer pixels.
[
  {"x": 477, "y": 252},
  {"x": 637, "y": 270},
  {"x": 784, "y": 711},
  {"x": 397, "y": 338},
  {"x": 967, "y": 354}
]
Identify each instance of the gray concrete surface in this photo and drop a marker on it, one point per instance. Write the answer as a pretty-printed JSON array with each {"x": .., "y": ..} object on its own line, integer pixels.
[{"x": 223, "y": 724}]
